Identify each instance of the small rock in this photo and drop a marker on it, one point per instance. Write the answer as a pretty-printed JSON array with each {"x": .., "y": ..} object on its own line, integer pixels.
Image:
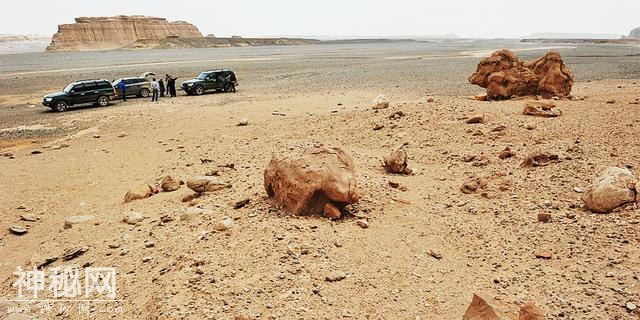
[
  {"x": 139, "y": 192},
  {"x": 380, "y": 102},
  {"x": 435, "y": 255},
  {"x": 543, "y": 254},
  {"x": 19, "y": 230},
  {"x": 430, "y": 99},
  {"x": 631, "y": 306},
  {"x": 506, "y": 153},
  {"x": 191, "y": 213},
  {"x": 478, "y": 118},
  {"x": 335, "y": 276},
  {"x": 378, "y": 127},
  {"x": 122, "y": 135},
  {"x": 79, "y": 219},
  {"x": 96, "y": 136},
  {"x": 28, "y": 218},
  {"x": 133, "y": 217},
  {"x": 242, "y": 203},
  {"x": 36, "y": 152},
  {"x": 544, "y": 217},
  {"x": 243, "y": 122},
  {"x": 331, "y": 211},
  {"x": 224, "y": 224},
  {"x": 397, "y": 162},
  {"x": 612, "y": 189},
  {"x": 530, "y": 126},
  {"x": 146, "y": 259},
  {"x": 169, "y": 184},
  {"x": 74, "y": 253},
  {"x": 362, "y": 224},
  {"x": 577, "y": 190},
  {"x": 206, "y": 184}
]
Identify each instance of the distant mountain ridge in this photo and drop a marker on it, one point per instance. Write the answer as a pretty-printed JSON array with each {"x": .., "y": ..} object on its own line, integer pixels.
[{"x": 572, "y": 36}]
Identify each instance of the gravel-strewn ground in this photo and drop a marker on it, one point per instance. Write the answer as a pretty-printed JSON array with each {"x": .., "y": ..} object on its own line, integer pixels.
[{"x": 273, "y": 266}]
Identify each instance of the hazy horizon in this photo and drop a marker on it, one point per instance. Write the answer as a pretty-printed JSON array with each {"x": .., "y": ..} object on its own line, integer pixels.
[{"x": 333, "y": 18}]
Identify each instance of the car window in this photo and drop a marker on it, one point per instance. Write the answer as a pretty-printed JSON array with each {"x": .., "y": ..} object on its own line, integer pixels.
[
  {"x": 90, "y": 86},
  {"x": 68, "y": 88},
  {"x": 78, "y": 88},
  {"x": 202, "y": 76},
  {"x": 131, "y": 81},
  {"x": 103, "y": 85}
]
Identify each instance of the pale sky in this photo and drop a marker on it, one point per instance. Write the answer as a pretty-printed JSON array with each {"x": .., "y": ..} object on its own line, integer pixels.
[{"x": 465, "y": 18}]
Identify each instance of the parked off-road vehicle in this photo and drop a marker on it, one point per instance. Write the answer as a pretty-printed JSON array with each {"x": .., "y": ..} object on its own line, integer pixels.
[
  {"x": 96, "y": 92},
  {"x": 136, "y": 87},
  {"x": 212, "y": 80}
]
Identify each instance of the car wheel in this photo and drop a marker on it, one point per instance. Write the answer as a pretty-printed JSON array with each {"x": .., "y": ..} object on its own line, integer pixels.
[
  {"x": 144, "y": 93},
  {"x": 103, "y": 101},
  {"x": 226, "y": 88},
  {"x": 60, "y": 106},
  {"x": 199, "y": 90}
]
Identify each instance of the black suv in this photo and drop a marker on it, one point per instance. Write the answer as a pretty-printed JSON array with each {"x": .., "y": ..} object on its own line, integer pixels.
[
  {"x": 98, "y": 92},
  {"x": 212, "y": 80},
  {"x": 136, "y": 86}
]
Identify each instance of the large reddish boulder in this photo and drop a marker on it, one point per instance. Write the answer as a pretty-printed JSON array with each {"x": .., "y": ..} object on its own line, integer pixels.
[
  {"x": 504, "y": 76},
  {"x": 318, "y": 181}
]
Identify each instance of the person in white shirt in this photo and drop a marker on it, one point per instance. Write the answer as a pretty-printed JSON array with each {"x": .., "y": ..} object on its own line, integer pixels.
[{"x": 155, "y": 87}]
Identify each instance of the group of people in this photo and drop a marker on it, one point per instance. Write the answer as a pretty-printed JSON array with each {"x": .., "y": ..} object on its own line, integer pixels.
[{"x": 159, "y": 89}]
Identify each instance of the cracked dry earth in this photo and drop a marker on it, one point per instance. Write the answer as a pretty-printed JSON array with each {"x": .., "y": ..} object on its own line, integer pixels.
[{"x": 426, "y": 250}]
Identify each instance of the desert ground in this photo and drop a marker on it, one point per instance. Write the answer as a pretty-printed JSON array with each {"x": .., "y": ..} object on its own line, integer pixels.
[{"x": 428, "y": 247}]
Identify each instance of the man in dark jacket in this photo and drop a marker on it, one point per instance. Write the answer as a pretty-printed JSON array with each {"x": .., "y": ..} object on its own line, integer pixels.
[
  {"x": 171, "y": 83},
  {"x": 123, "y": 90}
]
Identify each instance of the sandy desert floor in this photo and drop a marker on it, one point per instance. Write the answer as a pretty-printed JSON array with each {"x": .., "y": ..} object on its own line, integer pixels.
[{"x": 271, "y": 265}]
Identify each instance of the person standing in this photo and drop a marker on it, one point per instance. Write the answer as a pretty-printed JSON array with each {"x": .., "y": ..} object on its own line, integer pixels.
[
  {"x": 172, "y": 86},
  {"x": 162, "y": 88},
  {"x": 155, "y": 87},
  {"x": 123, "y": 90}
]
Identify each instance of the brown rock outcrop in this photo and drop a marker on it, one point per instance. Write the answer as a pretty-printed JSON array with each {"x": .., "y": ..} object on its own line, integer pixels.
[
  {"x": 105, "y": 33},
  {"x": 540, "y": 109},
  {"x": 484, "y": 308},
  {"x": 305, "y": 184},
  {"x": 612, "y": 189},
  {"x": 504, "y": 76}
]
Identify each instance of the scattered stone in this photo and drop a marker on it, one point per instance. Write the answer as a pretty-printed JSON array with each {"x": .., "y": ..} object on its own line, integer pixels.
[
  {"x": 430, "y": 99},
  {"x": 543, "y": 254},
  {"x": 243, "y": 122},
  {"x": 541, "y": 109},
  {"x": 477, "y": 118},
  {"x": 74, "y": 253},
  {"x": 96, "y": 136},
  {"x": 191, "y": 213},
  {"x": 169, "y": 184},
  {"x": 481, "y": 97},
  {"x": 36, "y": 151},
  {"x": 613, "y": 188},
  {"x": 335, "y": 276},
  {"x": 122, "y": 135},
  {"x": 18, "y": 230},
  {"x": 397, "y": 185},
  {"x": 612, "y": 101},
  {"x": 166, "y": 218},
  {"x": 378, "y": 127},
  {"x": 397, "y": 162},
  {"x": 506, "y": 153},
  {"x": 499, "y": 128},
  {"x": 380, "y": 102},
  {"x": 577, "y": 190},
  {"x": 139, "y": 192},
  {"x": 47, "y": 262},
  {"x": 79, "y": 219},
  {"x": 530, "y": 126},
  {"x": 504, "y": 76},
  {"x": 544, "y": 217},
  {"x": 224, "y": 224},
  {"x": 133, "y": 217},
  {"x": 28, "y": 217},
  {"x": 303, "y": 184},
  {"x": 396, "y": 115},
  {"x": 241, "y": 203},
  {"x": 331, "y": 212},
  {"x": 207, "y": 184},
  {"x": 146, "y": 259},
  {"x": 530, "y": 312},
  {"x": 539, "y": 159},
  {"x": 435, "y": 255},
  {"x": 362, "y": 223},
  {"x": 190, "y": 197},
  {"x": 631, "y": 306}
]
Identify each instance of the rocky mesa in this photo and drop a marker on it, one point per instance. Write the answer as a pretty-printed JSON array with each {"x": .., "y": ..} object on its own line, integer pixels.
[{"x": 106, "y": 33}]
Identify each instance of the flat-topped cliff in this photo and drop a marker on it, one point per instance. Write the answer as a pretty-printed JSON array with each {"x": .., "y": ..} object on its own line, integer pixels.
[{"x": 105, "y": 33}]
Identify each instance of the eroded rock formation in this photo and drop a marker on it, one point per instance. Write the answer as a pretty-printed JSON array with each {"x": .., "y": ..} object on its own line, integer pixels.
[
  {"x": 504, "y": 76},
  {"x": 317, "y": 182},
  {"x": 484, "y": 308},
  {"x": 105, "y": 33}
]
